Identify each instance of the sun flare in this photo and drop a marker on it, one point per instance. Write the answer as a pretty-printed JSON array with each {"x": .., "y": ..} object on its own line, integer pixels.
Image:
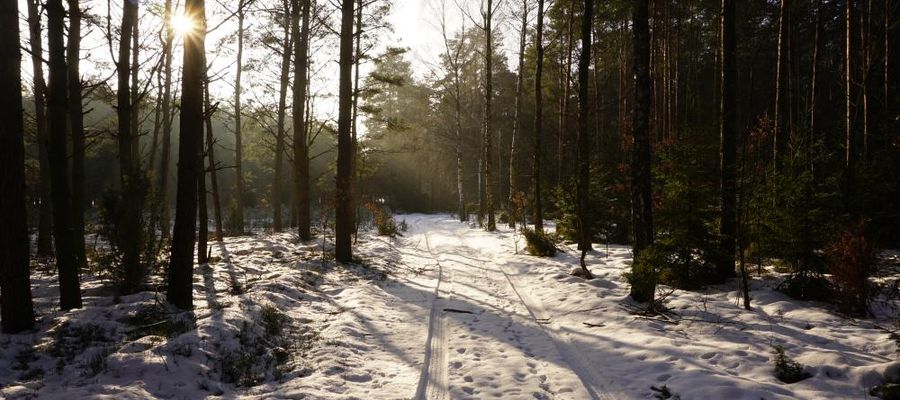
[{"x": 182, "y": 25}]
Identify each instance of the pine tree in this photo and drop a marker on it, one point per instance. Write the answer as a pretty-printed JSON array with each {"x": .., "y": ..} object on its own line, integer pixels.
[
  {"x": 300, "y": 22},
  {"x": 584, "y": 137},
  {"x": 537, "y": 213},
  {"x": 16, "y": 310},
  {"x": 728, "y": 143},
  {"x": 343, "y": 210},
  {"x": 189, "y": 166},
  {"x": 641, "y": 192}
]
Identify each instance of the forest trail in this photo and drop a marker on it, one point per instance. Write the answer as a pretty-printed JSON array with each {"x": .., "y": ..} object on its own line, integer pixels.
[{"x": 487, "y": 337}]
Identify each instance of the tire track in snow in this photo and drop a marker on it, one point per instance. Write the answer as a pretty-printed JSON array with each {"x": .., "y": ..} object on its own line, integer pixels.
[
  {"x": 597, "y": 384},
  {"x": 433, "y": 379}
]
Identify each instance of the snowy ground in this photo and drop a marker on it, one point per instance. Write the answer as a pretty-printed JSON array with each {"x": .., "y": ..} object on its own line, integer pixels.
[{"x": 446, "y": 311}]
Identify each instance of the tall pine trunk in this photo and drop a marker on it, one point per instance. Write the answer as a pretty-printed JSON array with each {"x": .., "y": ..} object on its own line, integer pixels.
[
  {"x": 277, "y": 223},
  {"x": 57, "y": 100},
  {"x": 238, "y": 145},
  {"x": 300, "y": 22},
  {"x": 537, "y": 213},
  {"x": 45, "y": 214},
  {"x": 641, "y": 192},
  {"x": 165, "y": 152},
  {"x": 129, "y": 212},
  {"x": 76, "y": 123},
  {"x": 213, "y": 167},
  {"x": 584, "y": 137},
  {"x": 344, "y": 207},
  {"x": 191, "y": 128},
  {"x": 728, "y": 143},
  {"x": 517, "y": 123},
  {"x": 16, "y": 309},
  {"x": 487, "y": 126}
]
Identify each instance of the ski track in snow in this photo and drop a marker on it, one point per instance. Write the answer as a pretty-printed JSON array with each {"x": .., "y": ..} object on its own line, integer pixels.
[{"x": 499, "y": 348}]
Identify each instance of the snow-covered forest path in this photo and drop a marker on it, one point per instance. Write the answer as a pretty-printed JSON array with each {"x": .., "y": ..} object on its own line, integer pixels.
[{"x": 487, "y": 337}]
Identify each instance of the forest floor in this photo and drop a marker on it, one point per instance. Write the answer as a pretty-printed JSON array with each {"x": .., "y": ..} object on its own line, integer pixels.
[{"x": 444, "y": 311}]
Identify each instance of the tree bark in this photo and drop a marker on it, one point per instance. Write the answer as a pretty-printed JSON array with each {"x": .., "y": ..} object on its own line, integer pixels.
[
  {"x": 641, "y": 192},
  {"x": 16, "y": 309},
  {"x": 202, "y": 209},
  {"x": 213, "y": 167},
  {"x": 537, "y": 213},
  {"x": 76, "y": 123},
  {"x": 45, "y": 215},
  {"x": 57, "y": 100},
  {"x": 301, "y": 147},
  {"x": 488, "y": 129},
  {"x": 343, "y": 212},
  {"x": 165, "y": 153},
  {"x": 520, "y": 86},
  {"x": 238, "y": 146},
  {"x": 191, "y": 127},
  {"x": 129, "y": 224},
  {"x": 728, "y": 143},
  {"x": 277, "y": 224},
  {"x": 584, "y": 137}
]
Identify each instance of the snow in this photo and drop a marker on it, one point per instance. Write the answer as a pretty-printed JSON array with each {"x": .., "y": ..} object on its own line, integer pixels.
[{"x": 445, "y": 311}]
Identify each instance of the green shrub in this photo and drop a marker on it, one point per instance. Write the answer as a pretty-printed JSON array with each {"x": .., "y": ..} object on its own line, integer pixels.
[
  {"x": 645, "y": 272},
  {"x": 273, "y": 320},
  {"x": 385, "y": 224},
  {"x": 539, "y": 243},
  {"x": 786, "y": 369}
]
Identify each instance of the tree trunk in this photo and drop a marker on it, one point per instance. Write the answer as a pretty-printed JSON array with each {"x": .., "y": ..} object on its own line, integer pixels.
[
  {"x": 357, "y": 57},
  {"x": 301, "y": 147},
  {"x": 191, "y": 128},
  {"x": 45, "y": 215},
  {"x": 513, "y": 151},
  {"x": 564, "y": 79},
  {"x": 343, "y": 211},
  {"x": 778, "y": 134},
  {"x": 277, "y": 224},
  {"x": 537, "y": 213},
  {"x": 129, "y": 213},
  {"x": 238, "y": 146},
  {"x": 16, "y": 309},
  {"x": 202, "y": 209},
  {"x": 165, "y": 153},
  {"x": 76, "y": 123},
  {"x": 584, "y": 137},
  {"x": 213, "y": 167},
  {"x": 488, "y": 129},
  {"x": 135, "y": 93},
  {"x": 728, "y": 142},
  {"x": 850, "y": 147},
  {"x": 641, "y": 192},
  {"x": 66, "y": 258}
]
